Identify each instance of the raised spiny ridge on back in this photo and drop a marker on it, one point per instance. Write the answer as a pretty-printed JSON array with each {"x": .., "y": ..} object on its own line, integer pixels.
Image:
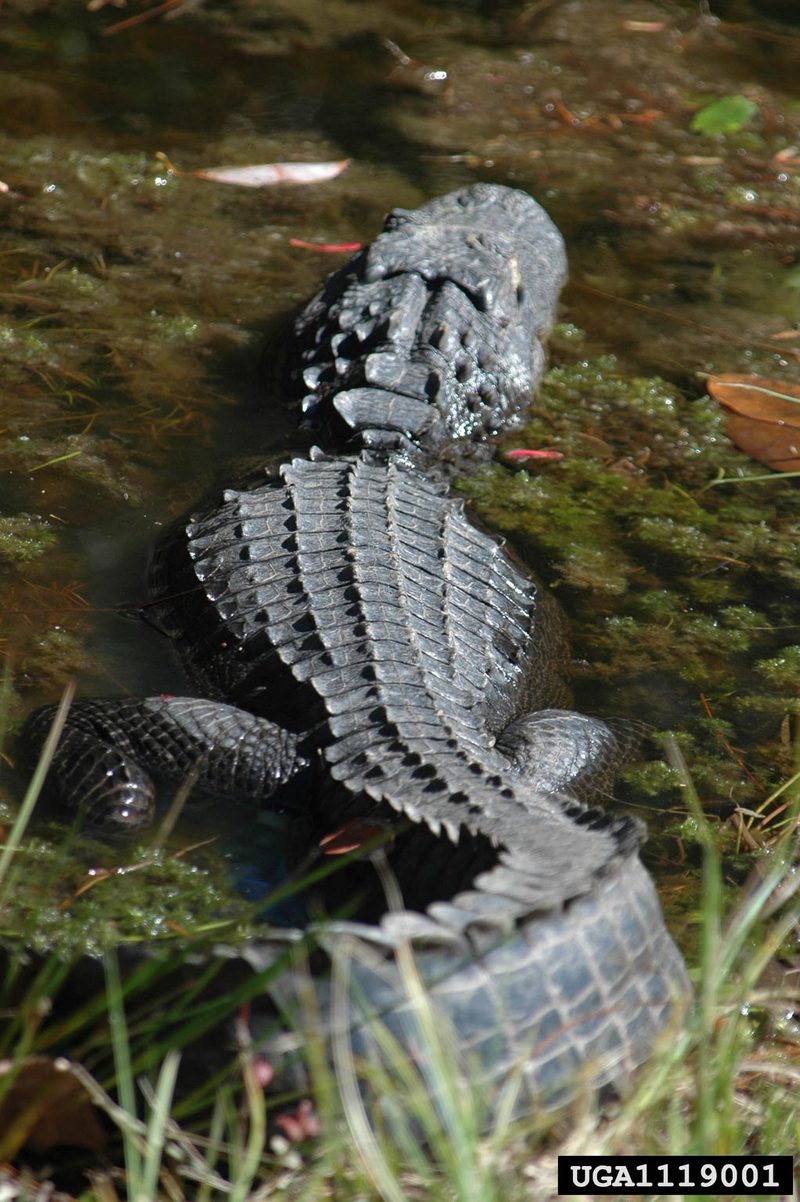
[{"x": 370, "y": 594}]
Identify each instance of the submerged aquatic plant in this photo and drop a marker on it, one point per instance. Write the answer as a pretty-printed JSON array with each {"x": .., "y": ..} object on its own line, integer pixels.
[{"x": 676, "y": 592}]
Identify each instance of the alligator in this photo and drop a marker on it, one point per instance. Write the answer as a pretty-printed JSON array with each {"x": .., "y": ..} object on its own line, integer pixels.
[{"x": 361, "y": 648}]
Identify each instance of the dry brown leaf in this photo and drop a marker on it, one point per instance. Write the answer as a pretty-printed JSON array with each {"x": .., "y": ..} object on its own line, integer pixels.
[
  {"x": 47, "y": 1107},
  {"x": 763, "y": 417},
  {"x": 263, "y": 175}
]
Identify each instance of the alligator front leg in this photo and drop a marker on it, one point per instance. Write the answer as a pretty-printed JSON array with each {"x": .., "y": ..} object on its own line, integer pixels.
[
  {"x": 562, "y": 751},
  {"x": 109, "y": 748}
]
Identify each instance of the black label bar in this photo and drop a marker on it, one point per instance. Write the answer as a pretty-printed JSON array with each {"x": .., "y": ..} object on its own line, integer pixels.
[{"x": 632, "y": 1175}]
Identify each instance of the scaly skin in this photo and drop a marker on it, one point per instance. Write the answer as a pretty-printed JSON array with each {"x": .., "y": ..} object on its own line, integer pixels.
[{"x": 365, "y": 635}]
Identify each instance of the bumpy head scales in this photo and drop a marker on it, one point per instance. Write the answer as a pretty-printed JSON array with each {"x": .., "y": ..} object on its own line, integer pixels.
[{"x": 434, "y": 333}]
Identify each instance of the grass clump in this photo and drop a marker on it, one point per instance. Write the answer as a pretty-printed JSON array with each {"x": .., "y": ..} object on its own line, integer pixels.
[{"x": 724, "y": 1082}]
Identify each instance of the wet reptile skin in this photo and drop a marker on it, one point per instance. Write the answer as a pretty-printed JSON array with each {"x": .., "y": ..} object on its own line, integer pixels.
[{"x": 359, "y": 638}]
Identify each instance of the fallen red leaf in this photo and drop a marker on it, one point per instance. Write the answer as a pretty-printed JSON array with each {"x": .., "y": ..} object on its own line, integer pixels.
[
  {"x": 350, "y": 837},
  {"x": 519, "y": 456},
  {"x": 135, "y": 20},
  {"x": 328, "y": 248},
  {"x": 763, "y": 417}
]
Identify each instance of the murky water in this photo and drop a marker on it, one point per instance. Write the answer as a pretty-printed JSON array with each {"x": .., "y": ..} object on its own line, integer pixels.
[{"x": 135, "y": 303}]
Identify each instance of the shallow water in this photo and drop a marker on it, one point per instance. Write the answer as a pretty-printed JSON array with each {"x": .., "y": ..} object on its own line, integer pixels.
[{"x": 136, "y": 303}]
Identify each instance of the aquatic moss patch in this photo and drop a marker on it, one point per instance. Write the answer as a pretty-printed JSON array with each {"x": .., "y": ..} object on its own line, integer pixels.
[
  {"x": 24, "y": 537},
  {"x": 71, "y": 894},
  {"x": 683, "y": 596}
]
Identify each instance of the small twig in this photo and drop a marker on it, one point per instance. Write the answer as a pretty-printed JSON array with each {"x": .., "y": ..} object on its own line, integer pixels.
[{"x": 138, "y": 18}]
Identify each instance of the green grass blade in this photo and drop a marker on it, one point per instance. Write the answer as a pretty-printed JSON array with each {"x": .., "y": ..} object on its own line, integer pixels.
[
  {"x": 256, "y": 1134},
  {"x": 126, "y": 1087},
  {"x": 17, "y": 831},
  {"x": 157, "y": 1126}
]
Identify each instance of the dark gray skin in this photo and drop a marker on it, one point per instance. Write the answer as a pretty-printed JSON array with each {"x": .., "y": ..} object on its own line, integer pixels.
[{"x": 371, "y": 643}]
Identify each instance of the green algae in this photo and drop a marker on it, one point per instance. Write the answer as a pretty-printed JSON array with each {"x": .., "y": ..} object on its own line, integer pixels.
[
  {"x": 783, "y": 671},
  {"x": 72, "y": 895},
  {"x": 24, "y": 537},
  {"x": 56, "y": 655},
  {"x": 671, "y": 587},
  {"x": 174, "y": 327}
]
